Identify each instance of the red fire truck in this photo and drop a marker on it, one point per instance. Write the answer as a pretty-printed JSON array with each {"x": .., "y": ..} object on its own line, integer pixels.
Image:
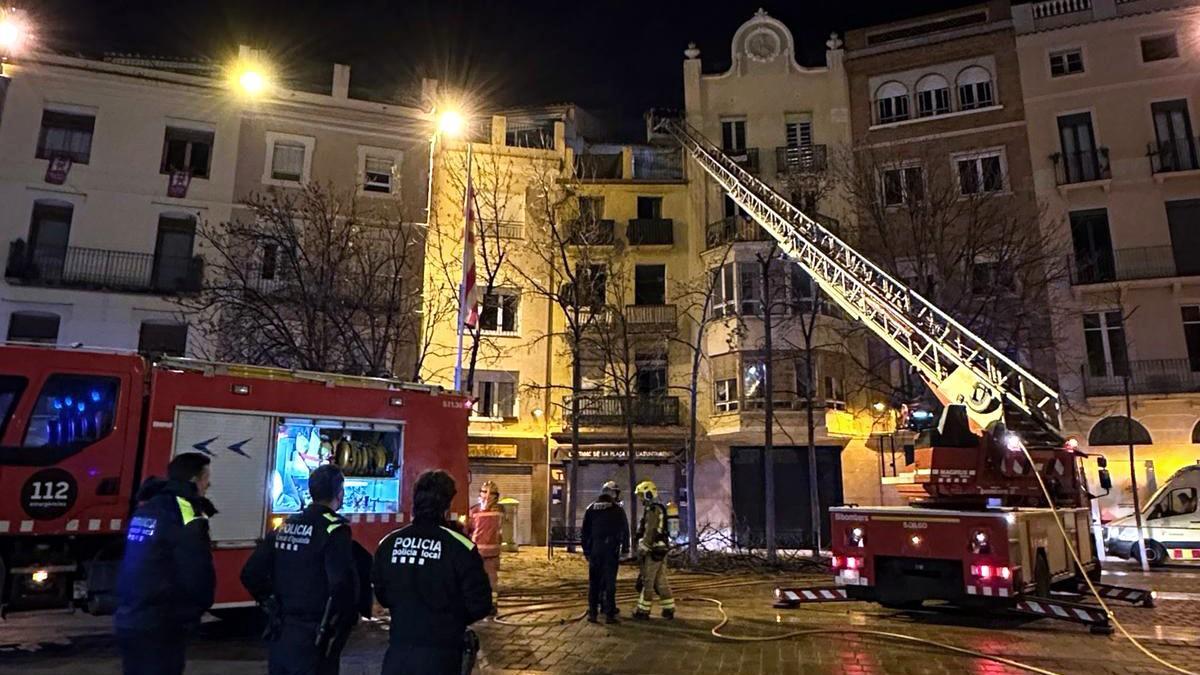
[{"x": 80, "y": 430}]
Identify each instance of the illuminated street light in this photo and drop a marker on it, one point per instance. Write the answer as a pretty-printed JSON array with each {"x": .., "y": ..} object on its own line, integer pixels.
[
  {"x": 250, "y": 77},
  {"x": 15, "y": 32},
  {"x": 451, "y": 123},
  {"x": 252, "y": 82}
]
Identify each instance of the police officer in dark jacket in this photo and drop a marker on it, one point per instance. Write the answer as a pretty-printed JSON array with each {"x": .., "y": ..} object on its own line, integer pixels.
[
  {"x": 166, "y": 580},
  {"x": 305, "y": 572},
  {"x": 605, "y": 538},
  {"x": 432, "y": 581}
]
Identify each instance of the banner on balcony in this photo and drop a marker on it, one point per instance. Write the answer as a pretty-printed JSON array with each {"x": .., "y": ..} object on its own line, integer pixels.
[
  {"x": 177, "y": 186},
  {"x": 57, "y": 170}
]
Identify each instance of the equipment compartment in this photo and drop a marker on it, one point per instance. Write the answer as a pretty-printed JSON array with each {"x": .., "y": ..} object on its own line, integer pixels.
[{"x": 369, "y": 453}]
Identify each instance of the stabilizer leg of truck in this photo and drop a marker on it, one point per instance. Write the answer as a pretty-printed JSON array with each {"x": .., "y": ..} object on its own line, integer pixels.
[
  {"x": 1093, "y": 617},
  {"x": 1134, "y": 596},
  {"x": 794, "y": 597}
]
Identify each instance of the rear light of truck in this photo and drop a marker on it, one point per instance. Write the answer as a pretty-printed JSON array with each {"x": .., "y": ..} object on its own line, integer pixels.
[
  {"x": 1000, "y": 572},
  {"x": 847, "y": 562}
]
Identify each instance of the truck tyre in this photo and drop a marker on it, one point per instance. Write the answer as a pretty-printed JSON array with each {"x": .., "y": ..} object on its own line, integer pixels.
[
  {"x": 1041, "y": 575},
  {"x": 1156, "y": 554}
]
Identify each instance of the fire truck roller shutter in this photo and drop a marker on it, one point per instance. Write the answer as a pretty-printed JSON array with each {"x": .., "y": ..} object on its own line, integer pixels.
[
  {"x": 239, "y": 446},
  {"x": 593, "y": 475},
  {"x": 515, "y": 482}
]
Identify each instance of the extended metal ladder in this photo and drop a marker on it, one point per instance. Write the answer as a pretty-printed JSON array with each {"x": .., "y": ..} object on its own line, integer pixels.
[{"x": 956, "y": 363}]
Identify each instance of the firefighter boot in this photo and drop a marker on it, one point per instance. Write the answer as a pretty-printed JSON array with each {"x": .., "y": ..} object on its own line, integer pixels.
[
  {"x": 641, "y": 614},
  {"x": 668, "y": 612}
]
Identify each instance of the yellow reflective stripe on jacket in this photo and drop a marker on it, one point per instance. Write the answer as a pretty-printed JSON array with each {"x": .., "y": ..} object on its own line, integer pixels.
[
  {"x": 334, "y": 522},
  {"x": 461, "y": 539},
  {"x": 186, "y": 510}
]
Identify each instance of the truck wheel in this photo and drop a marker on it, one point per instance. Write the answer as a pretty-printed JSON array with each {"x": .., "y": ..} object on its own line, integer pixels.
[
  {"x": 1156, "y": 554},
  {"x": 1041, "y": 575}
]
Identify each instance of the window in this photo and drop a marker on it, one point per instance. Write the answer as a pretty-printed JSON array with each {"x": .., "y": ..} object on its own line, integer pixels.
[
  {"x": 11, "y": 388},
  {"x": 798, "y": 131},
  {"x": 1066, "y": 62},
  {"x": 1092, "y": 242},
  {"x": 39, "y": 327},
  {"x": 173, "y": 267},
  {"x": 270, "y": 261},
  {"x": 162, "y": 338},
  {"x": 66, "y": 135},
  {"x": 980, "y": 174},
  {"x": 1183, "y": 223},
  {"x": 1159, "y": 47},
  {"x": 724, "y": 300},
  {"x": 377, "y": 174},
  {"x": 749, "y": 288},
  {"x": 187, "y": 150},
  {"x": 1104, "y": 335},
  {"x": 499, "y": 313},
  {"x": 72, "y": 409},
  {"x": 591, "y": 209},
  {"x": 725, "y": 395},
  {"x": 1191, "y": 334},
  {"x": 835, "y": 396},
  {"x": 1081, "y": 161},
  {"x": 651, "y": 373},
  {"x": 891, "y": 103},
  {"x": 649, "y": 207},
  {"x": 1176, "y": 150},
  {"x": 289, "y": 158},
  {"x": 933, "y": 96},
  {"x": 495, "y": 394},
  {"x": 1179, "y": 502},
  {"x": 593, "y": 280},
  {"x": 650, "y": 285},
  {"x": 733, "y": 135},
  {"x": 754, "y": 380},
  {"x": 903, "y": 185},
  {"x": 975, "y": 89},
  {"x": 989, "y": 276},
  {"x": 803, "y": 387},
  {"x": 49, "y": 235}
]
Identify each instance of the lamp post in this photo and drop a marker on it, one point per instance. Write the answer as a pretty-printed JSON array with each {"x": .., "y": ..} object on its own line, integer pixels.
[{"x": 16, "y": 33}]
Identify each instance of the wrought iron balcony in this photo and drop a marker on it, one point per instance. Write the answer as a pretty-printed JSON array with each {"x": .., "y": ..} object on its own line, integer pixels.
[
  {"x": 1125, "y": 264},
  {"x": 101, "y": 269},
  {"x": 646, "y": 318},
  {"x": 503, "y": 229},
  {"x": 587, "y": 232},
  {"x": 1149, "y": 376},
  {"x": 747, "y": 158},
  {"x": 1176, "y": 154},
  {"x": 650, "y": 232},
  {"x": 612, "y": 411},
  {"x": 1081, "y": 167},
  {"x": 733, "y": 229},
  {"x": 801, "y": 159}
]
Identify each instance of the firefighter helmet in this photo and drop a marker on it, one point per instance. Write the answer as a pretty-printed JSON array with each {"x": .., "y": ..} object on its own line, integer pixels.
[
  {"x": 490, "y": 487},
  {"x": 647, "y": 490}
]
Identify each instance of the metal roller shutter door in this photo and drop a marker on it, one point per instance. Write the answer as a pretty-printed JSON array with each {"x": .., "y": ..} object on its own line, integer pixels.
[
  {"x": 515, "y": 482},
  {"x": 593, "y": 476}
]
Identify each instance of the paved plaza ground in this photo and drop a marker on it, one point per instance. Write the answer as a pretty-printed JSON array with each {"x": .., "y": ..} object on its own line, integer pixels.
[{"x": 559, "y": 643}]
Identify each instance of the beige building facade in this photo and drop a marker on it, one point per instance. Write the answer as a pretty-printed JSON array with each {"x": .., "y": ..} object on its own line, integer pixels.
[{"x": 1110, "y": 88}]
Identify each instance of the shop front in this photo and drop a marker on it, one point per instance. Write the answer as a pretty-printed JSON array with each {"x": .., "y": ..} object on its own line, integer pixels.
[
  {"x": 600, "y": 463},
  {"x": 518, "y": 467}
]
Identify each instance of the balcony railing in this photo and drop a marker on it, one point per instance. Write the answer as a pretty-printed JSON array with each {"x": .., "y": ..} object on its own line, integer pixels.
[
  {"x": 1125, "y": 264},
  {"x": 733, "y": 229},
  {"x": 657, "y": 164},
  {"x": 610, "y": 411},
  {"x": 598, "y": 166},
  {"x": 590, "y": 232},
  {"x": 747, "y": 158},
  {"x": 531, "y": 134},
  {"x": 1081, "y": 167},
  {"x": 651, "y": 317},
  {"x": 801, "y": 159},
  {"x": 504, "y": 229},
  {"x": 650, "y": 232},
  {"x": 101, "y": 269},
  {"x": 1176, "y": 154},
  {"x": 1150, "y": 376},
  {"x": 1049, "y": 8}
]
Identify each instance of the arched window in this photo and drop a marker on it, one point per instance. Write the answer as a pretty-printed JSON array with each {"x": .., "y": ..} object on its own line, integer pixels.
[
  {"x": 1196, "y": 433},
  {"x": 1117, "y": 430},
  {"x": 933, "y": 96},
  {"x": 975, "y": 88},
  {"x": 891, "y": 102}
]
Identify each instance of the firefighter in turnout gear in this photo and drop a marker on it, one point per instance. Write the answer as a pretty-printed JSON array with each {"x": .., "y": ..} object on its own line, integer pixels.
[
  {"x": 431, "y": 579},
  {"x": 166, "y": 580},
  {"x": 484, "y": 528},
  {"x": 652, "y": 546},
  {"x": 605, "y": 538},
  {"x": 304, "y": 572}
]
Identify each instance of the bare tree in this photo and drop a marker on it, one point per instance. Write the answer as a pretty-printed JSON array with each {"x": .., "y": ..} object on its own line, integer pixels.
[{"x": 314, "y": 279}]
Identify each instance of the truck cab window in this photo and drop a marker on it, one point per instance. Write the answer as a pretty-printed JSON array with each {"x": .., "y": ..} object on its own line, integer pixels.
[
  {"x": 10, "y": 392},
  {"x": 72, "y": 409}
]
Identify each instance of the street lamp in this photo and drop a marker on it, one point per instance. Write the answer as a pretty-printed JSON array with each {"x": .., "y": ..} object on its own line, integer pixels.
[
  {"x": 250, "y": 77},
  {"x": 451, "y": 123},
  {"x": 15, "y": 32}
]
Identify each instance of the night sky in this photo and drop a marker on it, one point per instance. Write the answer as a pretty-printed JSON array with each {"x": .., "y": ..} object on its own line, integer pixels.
[{"x": 616, "y": 58}]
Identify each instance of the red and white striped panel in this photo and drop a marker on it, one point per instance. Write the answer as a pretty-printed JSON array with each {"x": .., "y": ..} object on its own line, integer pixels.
[
  {"x": 988, "y": 591},
  {"x": 1068, "y": 612},
  {"x": 1184, "y": 553},
  {"x": 800, "y": 595},
  {"x": 72, "y": 526},
  {"x": 377, "y": 518}
]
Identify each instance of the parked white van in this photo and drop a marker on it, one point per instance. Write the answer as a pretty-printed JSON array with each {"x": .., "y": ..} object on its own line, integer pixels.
[{"x": 1170, "y": 519}]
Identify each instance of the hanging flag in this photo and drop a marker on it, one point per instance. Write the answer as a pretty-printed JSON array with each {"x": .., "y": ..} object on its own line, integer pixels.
[{"x": 469, "y": 311}]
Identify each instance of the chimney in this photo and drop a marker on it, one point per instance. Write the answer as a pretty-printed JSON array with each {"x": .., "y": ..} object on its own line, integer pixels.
[{"x": 341, "y": 81}]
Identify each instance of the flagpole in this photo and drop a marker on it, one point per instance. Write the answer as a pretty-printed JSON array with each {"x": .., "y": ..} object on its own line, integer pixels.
[{"x": 462, "y": 286}]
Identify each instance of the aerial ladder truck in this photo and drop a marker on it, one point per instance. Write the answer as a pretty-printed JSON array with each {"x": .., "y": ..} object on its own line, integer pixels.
[{"x": 977, "y": 530}]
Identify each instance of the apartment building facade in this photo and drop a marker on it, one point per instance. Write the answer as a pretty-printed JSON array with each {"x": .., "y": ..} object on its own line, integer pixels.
[
  {"x": 112, "y": 168},
  {"x": 1109, "y": 87},
  {"x": 789, "y": 125}
]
